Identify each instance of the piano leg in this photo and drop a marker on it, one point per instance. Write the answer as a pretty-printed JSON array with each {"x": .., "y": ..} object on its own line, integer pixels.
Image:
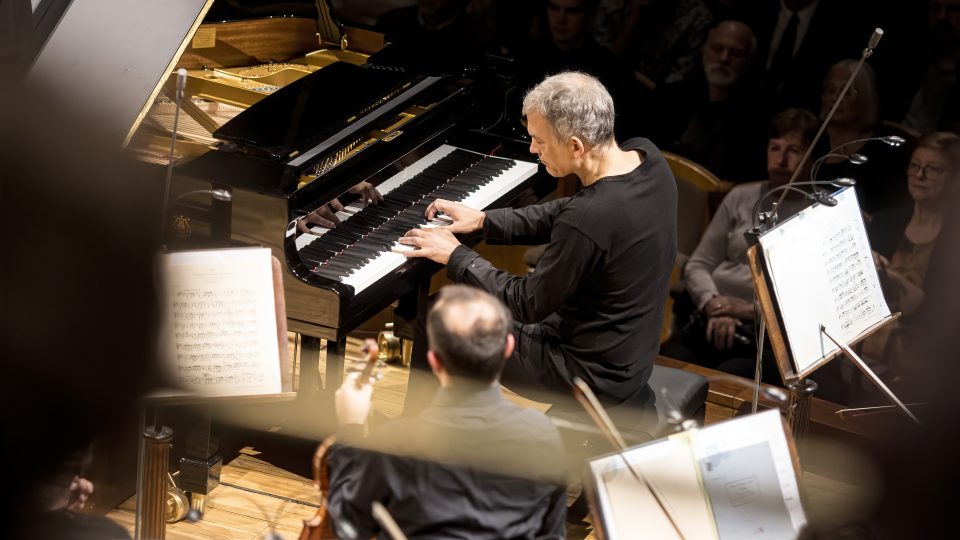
[
  {"x": 310, "y": 348},
  {"x": 333, "y": 375}
]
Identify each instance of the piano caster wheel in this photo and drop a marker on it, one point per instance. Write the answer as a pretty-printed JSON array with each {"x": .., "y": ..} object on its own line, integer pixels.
[{"x": 392, "y": 348}]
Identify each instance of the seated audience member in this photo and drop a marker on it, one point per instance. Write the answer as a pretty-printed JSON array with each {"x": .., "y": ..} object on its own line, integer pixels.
[
  {"x": 659, "y": 38},
  {"x": 903, "y": 240},
  {"x": 880, "y": 182},
  {"x": 562, "y": 42},
  {"x": 472, "y": 464},
  {"x": 716, "y": 118},
  {"x": 717, "y": 311}
]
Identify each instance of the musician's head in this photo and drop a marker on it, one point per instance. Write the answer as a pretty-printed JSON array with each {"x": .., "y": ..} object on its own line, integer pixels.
[
  {"x": 791, "y": 132},
  {"x": 570, "y": 118},
  {"x": 470, "y": 337}
]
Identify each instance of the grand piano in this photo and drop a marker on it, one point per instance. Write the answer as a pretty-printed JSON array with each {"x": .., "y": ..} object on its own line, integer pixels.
[{"x": 298, "y": 133}]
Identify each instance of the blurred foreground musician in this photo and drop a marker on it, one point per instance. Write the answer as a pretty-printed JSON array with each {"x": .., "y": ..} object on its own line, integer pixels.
[
  {"x": 594, "y": 305},
  {"x": 471, "y": 465}
]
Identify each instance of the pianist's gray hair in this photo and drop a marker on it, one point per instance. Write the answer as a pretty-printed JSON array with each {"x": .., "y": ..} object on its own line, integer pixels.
[{"x": 576, "y": 105}]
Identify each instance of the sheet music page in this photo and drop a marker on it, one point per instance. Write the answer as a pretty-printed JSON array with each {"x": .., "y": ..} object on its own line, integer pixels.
[
  {"x": 632, "y": 511},
  {"x": 220, "y": 329},
  {"x": 747, "y": 471},
  {"x": 822, "y": 271}
]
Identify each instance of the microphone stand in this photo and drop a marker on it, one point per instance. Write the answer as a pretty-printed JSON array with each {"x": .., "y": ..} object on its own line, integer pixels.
[
  {"x": 867, "y": 53},
  {"x": 769, "y": 220},
  {"x": 178, "y": 97}
]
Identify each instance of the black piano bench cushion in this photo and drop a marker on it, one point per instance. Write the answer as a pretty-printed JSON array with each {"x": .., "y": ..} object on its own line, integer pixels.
[
  {"x": 676, "y": 390},
  {"x": 681, "y": 391}
]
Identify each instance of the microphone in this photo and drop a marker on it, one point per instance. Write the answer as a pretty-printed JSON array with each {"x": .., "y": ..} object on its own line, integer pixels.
[
  {"x": 178, "y": 96},
  {"x": 874, "y": 40},
  {"x": 181, "y": 82}
]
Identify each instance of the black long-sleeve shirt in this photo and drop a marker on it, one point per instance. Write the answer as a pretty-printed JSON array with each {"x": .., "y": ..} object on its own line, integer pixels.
[
  {"x": 600, "y": 287},
  {"x": 471, "y": 465}
]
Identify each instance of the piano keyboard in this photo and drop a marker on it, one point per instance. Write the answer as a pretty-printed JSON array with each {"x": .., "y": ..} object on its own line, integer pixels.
[{"x": 364, "y": 247}]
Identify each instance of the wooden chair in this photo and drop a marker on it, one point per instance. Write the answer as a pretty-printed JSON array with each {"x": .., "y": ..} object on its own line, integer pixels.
[{"x": 695, "y": 188}]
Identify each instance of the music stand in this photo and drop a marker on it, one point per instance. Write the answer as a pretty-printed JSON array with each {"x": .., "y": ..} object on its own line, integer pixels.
[
  {"x": 815, "y": 225},
  {"x": 155, "y": 442}
]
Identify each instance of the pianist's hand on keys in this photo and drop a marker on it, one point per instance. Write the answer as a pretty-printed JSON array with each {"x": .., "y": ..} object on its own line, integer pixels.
[
  {"x": 464, "y": 219},
  {"x": 325, "y": 216},
  {"x": 368, "y": 193},
  {"x": 435, "y": 243}
]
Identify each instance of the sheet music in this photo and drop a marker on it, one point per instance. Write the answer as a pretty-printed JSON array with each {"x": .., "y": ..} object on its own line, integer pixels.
[
  {"x": 822, "y": 272},
  {"x": 748, "y": 474},
  {"x": 220, "y": 331},
  {"x": 633, "y": 511}
]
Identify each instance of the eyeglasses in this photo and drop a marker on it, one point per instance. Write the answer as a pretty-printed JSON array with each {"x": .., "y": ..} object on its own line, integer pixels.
[{"x": 931, "y": 172}]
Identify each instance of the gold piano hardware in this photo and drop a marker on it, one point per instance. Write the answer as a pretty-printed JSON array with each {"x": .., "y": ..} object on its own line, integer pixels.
[
  {"x": 356, "y": 146},
  {"x": 392, "y": 348},
  {"x": 387, "y": 136},
  {"x": 181, "y": 226}
]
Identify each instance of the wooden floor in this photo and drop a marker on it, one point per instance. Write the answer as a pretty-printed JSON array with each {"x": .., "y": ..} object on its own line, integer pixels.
[{"x": 255, "y": 496}]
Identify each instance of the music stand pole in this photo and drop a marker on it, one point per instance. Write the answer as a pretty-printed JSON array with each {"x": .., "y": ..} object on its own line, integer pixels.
[
  {"x": 758, "y": 369},
  {"x": 865, "y": 369}
]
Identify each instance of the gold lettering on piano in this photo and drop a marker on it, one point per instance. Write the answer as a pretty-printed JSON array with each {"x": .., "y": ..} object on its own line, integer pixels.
[{"x": 205, "y": 38}]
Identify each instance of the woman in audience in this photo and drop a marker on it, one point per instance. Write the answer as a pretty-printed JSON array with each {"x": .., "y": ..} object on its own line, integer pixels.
[
  {"x": 903, "y": 239},
  {"x": 880, "y": 182},
  {"x": 716, "y": 313}
]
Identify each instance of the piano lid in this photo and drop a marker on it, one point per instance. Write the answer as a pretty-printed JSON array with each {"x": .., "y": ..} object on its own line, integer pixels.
[
  {"x": 112, "y": 56},
  {"x": 313, "y": 108}
]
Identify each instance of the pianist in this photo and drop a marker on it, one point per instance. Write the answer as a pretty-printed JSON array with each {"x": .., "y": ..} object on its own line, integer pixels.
[{"x": 593, "y": 307}]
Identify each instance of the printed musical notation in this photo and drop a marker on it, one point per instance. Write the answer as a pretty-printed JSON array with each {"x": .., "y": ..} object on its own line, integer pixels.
[
  {"x": 822, "y": 271},
  {"x": 848, "y": 263},
  {"x": 221, "y": 323}
]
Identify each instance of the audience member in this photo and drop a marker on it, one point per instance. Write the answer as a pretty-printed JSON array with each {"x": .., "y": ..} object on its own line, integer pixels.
[
  {"x": 880, "y": 181},
  {"x": 716, "y": 118},
  {"x": 472, "y": 464},
  {"x": 659, "y": 39},
  {"x": 904, "y": 238},
  {"x": 567, "y": 45},
  {"x": 716, "y": 312}
]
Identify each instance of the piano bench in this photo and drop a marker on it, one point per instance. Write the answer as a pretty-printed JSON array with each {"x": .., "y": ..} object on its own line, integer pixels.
[{"x": 680, "y": 395}]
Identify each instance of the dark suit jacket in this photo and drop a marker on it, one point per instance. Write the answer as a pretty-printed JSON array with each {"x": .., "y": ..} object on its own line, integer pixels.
[{"x": 835, "y": 33}]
